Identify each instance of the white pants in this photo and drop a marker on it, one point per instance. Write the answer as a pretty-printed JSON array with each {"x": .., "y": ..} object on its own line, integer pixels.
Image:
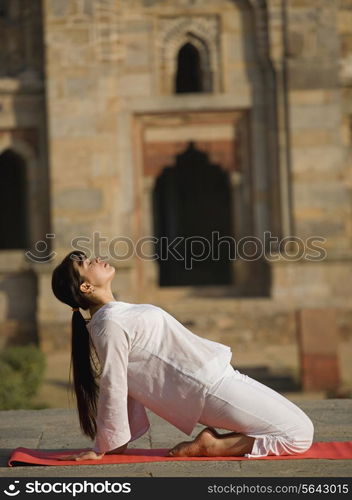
[{"x": 241, "y": 404}]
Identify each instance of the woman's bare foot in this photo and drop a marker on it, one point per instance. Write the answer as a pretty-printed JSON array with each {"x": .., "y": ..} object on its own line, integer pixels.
[
  {"x": 209, "y": 443},
  {"x": 198, "y": 447}
]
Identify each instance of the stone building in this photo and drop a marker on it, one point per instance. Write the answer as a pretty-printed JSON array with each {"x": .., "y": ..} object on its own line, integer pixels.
[{"x": 127, "y": 120}]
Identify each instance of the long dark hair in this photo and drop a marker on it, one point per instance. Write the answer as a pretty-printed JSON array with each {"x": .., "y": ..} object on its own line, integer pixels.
[{"x": 65, "y": 284}]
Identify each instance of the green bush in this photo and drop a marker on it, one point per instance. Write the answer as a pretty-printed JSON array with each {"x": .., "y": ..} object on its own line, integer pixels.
[
  {"x": 21, "y": 373},
  {"x": 12, "y": 394}
]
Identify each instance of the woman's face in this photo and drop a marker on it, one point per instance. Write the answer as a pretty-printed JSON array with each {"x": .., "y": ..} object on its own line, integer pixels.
[{"x": 95, "y": 271}]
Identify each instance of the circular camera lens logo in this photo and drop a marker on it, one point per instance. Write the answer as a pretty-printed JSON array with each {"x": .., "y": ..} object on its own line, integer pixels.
[{"x": 13, "y": 491}]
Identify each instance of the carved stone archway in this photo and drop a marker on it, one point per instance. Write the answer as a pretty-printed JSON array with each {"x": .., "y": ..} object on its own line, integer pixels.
[{"x": 200, "y": 31}]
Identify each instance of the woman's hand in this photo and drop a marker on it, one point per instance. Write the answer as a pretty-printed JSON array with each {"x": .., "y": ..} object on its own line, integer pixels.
[{"x": 83, "y": 455}]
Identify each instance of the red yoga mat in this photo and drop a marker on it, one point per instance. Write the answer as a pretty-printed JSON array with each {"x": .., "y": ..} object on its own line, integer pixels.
[{"x": 24, "y": 456}]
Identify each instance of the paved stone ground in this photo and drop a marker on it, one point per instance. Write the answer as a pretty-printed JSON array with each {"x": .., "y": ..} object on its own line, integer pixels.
[{"x": 53, "y": 429}]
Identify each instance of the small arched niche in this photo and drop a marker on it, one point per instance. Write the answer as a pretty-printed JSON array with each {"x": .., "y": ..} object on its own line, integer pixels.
[
  {"x": 13, "y": 201},
  {"x": 184, "y": 40},
  {"x": 189, "y": 76},
  {"x": 193, "y": 73}
]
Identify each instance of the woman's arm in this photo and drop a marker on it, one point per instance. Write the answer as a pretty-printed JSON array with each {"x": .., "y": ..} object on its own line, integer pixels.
[{"x": 112, "y": 347}]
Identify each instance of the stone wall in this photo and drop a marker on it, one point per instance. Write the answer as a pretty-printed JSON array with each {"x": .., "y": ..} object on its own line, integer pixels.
[
  {"x": 23, "y": 131},
  {"x": 108, "y": 66},
  {"x": 108, "y": 63},
  {"x": 317, "y": 45}
]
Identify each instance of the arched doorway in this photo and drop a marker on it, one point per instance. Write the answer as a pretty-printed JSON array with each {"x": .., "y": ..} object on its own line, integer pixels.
[
  {"x": 193, "y": 199},
  {"x": 13, "y": 202}
]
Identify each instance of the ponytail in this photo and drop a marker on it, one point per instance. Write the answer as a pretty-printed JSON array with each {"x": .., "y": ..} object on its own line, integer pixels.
[
  {"x": 66, "y": 283},
  {"x": 84, "y": 375}
]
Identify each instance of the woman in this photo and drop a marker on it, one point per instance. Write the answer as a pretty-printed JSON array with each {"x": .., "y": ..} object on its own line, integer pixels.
[{"x": 149, "y": 359}]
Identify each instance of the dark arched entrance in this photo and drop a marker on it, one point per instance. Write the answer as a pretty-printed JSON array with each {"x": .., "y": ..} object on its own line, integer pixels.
[
  {"x": 13, "y": 202},
  {"x": 193, "y": 199},
  {"x": 189, "y": 75}
]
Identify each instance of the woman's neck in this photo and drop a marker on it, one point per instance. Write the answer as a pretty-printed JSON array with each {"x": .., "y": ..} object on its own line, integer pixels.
[{"x": 93, "y": 309}]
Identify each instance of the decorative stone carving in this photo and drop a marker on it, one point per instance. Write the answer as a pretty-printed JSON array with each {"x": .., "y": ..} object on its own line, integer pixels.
[{"x": 203, "y": 33}]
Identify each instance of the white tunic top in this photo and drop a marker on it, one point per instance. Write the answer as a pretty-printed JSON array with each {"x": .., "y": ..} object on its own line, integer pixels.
[{"x": 149, "y": 359}]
